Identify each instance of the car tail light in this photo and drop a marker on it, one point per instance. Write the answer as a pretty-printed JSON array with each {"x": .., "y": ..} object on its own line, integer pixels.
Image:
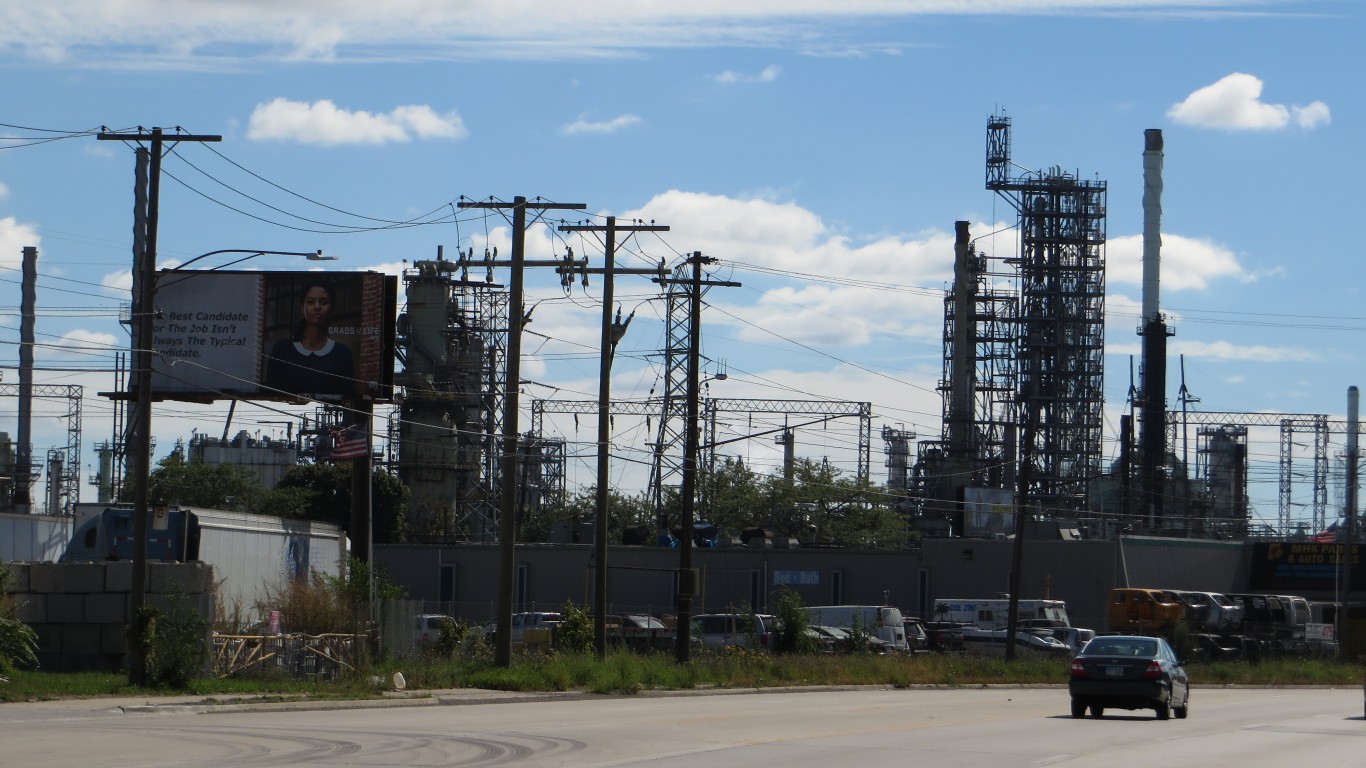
[
  {"x": 1153, "y": 671},
  {"x": 1078, "y": 670},
  {"x": 763, "y": 639}
]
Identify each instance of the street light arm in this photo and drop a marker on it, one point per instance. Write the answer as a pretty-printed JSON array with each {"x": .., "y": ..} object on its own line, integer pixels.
[{"x": 253, "y": 253}]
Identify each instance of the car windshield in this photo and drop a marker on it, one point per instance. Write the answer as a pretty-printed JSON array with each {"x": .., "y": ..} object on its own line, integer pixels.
[{"x": 1128, "y": 647}]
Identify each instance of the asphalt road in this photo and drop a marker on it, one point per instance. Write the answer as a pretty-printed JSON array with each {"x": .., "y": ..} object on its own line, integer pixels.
[{"x": 980, "y": 727}]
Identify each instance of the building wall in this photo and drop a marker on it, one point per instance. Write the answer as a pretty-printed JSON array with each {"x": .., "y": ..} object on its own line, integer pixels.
[{"x": 464, "y": 578}]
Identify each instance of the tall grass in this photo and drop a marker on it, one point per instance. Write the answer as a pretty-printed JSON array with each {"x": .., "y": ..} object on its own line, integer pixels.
[{"x": 624, "y": 672}]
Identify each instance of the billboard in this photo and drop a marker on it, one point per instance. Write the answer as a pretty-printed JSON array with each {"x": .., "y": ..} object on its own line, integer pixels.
[
  {"x": 294, "y": 336},
  {"x": 1292, "y": 567},
  {"x": 988, "y": 512}
]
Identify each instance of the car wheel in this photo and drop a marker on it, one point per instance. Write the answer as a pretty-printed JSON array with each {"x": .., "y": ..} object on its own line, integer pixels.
[
  {"x": 1097, "y": 710},
  {"x": 1184, "y": 709},
  {"x": 1078, "y": 708},
  {"x": 1164, "y": 707}
]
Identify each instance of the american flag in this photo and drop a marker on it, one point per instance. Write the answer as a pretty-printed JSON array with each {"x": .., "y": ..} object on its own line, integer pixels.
[
  {"x": 350, "y": 442},
  {"x": 1327, "y": 536}
]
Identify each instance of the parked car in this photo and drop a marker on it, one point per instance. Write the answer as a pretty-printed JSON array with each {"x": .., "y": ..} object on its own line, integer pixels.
[
  {"x": 840, "y": 640},
  {"x": 521, "y": 622},
  {"x": 917, "y": 637},
  {"x": 745, "y": 630},
  {"x": 1128, "y": 672},
  {"x": 636, "y": 621},
  {"x": 946, "y": 635},
  {"x": 427, "y": 628},
  {"x": 992, "y": 642}
]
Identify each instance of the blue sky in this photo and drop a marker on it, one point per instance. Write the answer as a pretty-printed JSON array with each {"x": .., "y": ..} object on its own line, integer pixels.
[{"x": 820, "y": 150}]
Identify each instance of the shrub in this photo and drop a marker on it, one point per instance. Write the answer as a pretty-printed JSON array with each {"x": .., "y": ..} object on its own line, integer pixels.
[
  {"x": 793, "y": 624},
  {"x": 577, "y": 631},
  {"x": 18, "y": 641},
  {"x": 174, "y": 644}
]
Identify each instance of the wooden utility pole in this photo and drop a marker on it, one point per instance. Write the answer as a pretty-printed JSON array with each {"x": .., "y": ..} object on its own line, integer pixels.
[
  {"x": 687, "y": 577},
  {"x": 507, "y": 501},
  {"x": 1031, "y": 426},
  {"x": 145, "y": 217},
  {"x": 611, "y": 334}
]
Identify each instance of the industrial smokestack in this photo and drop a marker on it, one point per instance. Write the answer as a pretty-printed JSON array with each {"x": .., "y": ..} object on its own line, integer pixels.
[
  {"x": 1152, "y": 222},
  {"x": 962, "y": 389},
  {"x": 1152, "y": 400}
]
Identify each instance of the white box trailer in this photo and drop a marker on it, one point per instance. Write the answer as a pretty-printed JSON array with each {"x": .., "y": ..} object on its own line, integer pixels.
[
  {"x": 34, "y": 538},
  {"x": 252, "y": 555}
]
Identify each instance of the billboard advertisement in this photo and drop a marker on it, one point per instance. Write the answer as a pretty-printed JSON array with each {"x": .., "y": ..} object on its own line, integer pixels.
[
  {"x": 293, "y": 336},
  {"x": 1292, "y": 567},
  {"x": 988, "y": 512}
]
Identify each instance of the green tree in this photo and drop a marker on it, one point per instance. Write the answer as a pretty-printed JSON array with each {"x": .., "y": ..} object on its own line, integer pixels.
[
  {"x": 735, "y": 496},
  {"x": 582, "y": 507},
  {"x": 323, "y": 492},
  {"x": 176, "y": 481}
]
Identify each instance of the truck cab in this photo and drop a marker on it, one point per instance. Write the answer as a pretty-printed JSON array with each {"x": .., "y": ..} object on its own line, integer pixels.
[{"x": 172, "y": 535}]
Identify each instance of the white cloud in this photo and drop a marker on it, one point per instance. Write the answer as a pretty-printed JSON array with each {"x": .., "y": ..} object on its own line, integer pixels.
[
  {"x": 583, "y": 125},
  {"x": 4, "y": 191},
  {"x": 81, "y": 344},
  {"x": 1228, "y": 351},
  {"x": 768, "y": 75},
  {"x": 323, "y": 122},
  {"x": 887, "y": 285},
  {"x": 1312, "y": 116},
  {"x": 14, "y": 237},
  {"x": 1188, "y": 264},
  {"x": 99, "y": 33},
  {"x": 1234, "y": 102}
]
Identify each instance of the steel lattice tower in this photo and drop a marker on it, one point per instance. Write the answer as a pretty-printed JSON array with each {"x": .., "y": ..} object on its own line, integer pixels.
[
  {"x": 453, "y": 345},
  {"x": 1061, "y": 330}
]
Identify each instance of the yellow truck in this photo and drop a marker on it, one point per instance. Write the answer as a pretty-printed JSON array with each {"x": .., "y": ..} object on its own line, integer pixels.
[{"x": 1141, "y": 610}]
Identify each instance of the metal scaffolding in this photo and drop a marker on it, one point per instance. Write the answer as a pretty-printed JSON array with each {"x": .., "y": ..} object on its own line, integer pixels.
[
  {"x": 64, "y": 490},
  {"x": 1060, "y": 333},
  {"x": 453, "y": 346}
]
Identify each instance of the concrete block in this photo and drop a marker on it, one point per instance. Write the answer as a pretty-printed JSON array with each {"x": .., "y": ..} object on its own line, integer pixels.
[
  {"x": 184, "y": 578},
  {"x": 20, "y": 580},
  {"x": 30, "y": 608},
  {"x": 80, "y": 638},
  {"x": 49, "y": 639},
  {"x": 83, "y": 577},
  {"x": 89, "y": 662},
  {"x": 114, "y": 639},
  {"x": 66, "y": 609},
  {"x": 118, "y": 576},
  {"x": 46, "y": 577},
  {"x": 107, "y": 609}
]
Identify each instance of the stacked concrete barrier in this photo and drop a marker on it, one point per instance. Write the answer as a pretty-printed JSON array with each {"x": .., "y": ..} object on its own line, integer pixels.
[{"x": 81, "y": 611}]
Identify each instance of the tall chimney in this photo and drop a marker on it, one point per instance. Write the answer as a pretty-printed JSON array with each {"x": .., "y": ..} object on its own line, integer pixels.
[
  {"x": 1152, "y": 221},
  {"x": 1152, "y": 400}
]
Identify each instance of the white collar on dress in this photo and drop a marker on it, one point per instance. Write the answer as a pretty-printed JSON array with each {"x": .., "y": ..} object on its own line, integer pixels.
[{"x": 305, "y": 351}]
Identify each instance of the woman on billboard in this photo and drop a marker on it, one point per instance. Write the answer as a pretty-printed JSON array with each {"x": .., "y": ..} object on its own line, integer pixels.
[{"x": 309, "y": 361}]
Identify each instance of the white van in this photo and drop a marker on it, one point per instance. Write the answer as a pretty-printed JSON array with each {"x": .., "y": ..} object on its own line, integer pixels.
[{"x": 881, "y": 621}]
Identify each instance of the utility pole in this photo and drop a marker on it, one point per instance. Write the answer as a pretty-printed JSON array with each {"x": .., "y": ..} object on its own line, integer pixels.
[
  {"x": 145, "y": 218},
  {"x": 611, "y": 334},
  {"x": 1031, "y": 426},
  {"x": 507, "y": 501},
  {"x": 1350, "y": 519},
  {"x": 687, "y": 577}
]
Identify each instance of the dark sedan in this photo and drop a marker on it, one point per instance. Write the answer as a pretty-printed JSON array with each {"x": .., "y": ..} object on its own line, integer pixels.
[{"x": 1129, "y": 672}]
